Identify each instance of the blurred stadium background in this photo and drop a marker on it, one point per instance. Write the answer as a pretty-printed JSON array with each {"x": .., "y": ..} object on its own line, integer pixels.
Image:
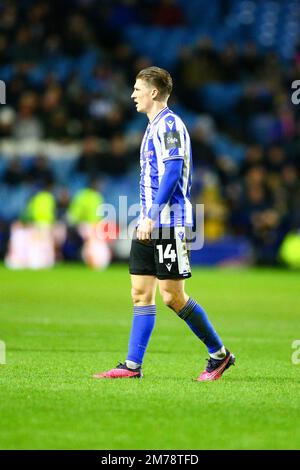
[
  {"x": 68, "y": 122},
  {"x": 69, "y": 141}
]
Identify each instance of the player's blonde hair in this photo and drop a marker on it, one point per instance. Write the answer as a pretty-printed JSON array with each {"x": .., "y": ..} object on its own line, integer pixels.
[{"x": 159, "y": 78}]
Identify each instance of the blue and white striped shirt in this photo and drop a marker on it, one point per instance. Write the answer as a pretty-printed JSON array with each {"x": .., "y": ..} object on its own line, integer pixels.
[{"x": 166, "y": 138}]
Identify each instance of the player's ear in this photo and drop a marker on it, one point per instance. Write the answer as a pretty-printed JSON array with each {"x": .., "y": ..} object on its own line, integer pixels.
[{"x": 154, "y": 93}]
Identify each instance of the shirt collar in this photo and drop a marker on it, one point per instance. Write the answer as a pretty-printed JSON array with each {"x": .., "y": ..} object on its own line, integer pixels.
[{"x": 158, "y": 114}]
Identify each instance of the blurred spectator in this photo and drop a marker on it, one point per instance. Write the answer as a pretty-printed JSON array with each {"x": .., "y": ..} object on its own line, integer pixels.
[
  {"x": 85, "y": 204},
  {"x": 24, "y": 51},
  {"x": 263, "y": 223},
  {"x": 41, "y": 208},
  {"x": 27, "y": 125},
  {"x": 292, "y": 147},
  {"x": 40, "y": 172},
  {"x": 168, "y": 13},
  {"x": 118, "y": 158},
  {"x": 229, "y": 64},
  {"x": 63, "y": 199},
  {"x": 82, "y": 239},
  {"x": 7, "y": 119},
  {"x": 254, "y": 156},
  {"x": 77, "y": 35},
  {"x": 58, "y": 126},
  {"x": 4, "y": 54},
  {"x": 196, "y": 67},
  {"x": 203, "y": 154},
  {"x": 4, "y": 237},
  {"x": 289, "y": 251},
  {"x": 89, "y": 160},
  {"x": 8, "y": 19},
  {"x": 14, "y": 173},
  {"x": 250, "y": 61},
  {"x": 215, "y": 212}
]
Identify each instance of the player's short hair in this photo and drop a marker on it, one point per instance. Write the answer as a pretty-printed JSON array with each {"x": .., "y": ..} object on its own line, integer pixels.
[{"x": 159, "y": 78}]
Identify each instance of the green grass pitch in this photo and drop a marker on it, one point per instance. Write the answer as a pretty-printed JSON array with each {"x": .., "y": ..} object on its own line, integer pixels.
[{"x": 63, "y": 325}]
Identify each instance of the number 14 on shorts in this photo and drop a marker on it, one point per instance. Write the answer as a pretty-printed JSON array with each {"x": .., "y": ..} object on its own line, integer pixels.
[{"x": 168, "y": 254}]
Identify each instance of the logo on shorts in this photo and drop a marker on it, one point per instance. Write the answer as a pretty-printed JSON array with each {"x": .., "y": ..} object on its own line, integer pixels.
[
  {"x": 181, "y": 235},
  {"x": 169, "y": 266}
]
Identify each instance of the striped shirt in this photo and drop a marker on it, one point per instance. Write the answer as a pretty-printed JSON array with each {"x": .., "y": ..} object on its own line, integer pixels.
[{"x": 166, "y": 138}]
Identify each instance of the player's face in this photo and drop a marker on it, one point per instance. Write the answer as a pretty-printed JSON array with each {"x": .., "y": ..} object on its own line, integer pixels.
[{"x": 143, "y": 96}]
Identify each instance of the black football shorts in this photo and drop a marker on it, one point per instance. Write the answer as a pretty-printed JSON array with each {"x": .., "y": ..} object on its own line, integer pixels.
[{"x": 165, "y": 256}]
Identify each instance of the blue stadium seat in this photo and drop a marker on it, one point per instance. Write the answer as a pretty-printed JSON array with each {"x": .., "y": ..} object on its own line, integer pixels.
[
  {"x": 77, "y": 182},
  {"x": 63, "y": 169},
  {"x": 2, "y": 167},
  {"x": 223, "y": 145},
  {"x": 15, "y": 201},
  {"x": 220, "y": 97},
  {"x": 7, "y": 72}
]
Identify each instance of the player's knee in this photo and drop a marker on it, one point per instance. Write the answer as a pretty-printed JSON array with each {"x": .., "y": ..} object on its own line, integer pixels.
[
  {"x": 140, "y": 296},
  {"x": 174, "y": 300},
  {"x": 169, "y": 299}
]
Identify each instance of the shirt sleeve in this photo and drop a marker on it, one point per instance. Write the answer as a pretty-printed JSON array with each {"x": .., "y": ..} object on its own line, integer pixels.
[
  {"x": 169, "y": 181},
  {"x": 171, "y": 134}
]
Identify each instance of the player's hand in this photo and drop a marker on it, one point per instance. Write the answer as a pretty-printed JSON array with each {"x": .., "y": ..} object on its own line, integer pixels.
[{"x": 144, "y": 229}]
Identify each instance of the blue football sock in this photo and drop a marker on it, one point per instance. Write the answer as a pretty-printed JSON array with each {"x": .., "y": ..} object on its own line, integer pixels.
[
  {"x": 142, "y": 326},
  {"x": 197, "y": 320}
]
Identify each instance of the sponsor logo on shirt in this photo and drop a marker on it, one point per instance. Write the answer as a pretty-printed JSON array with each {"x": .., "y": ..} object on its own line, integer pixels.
[
  {"x": 148, "y": 154},
  {"x": 172, "y": 140}
]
